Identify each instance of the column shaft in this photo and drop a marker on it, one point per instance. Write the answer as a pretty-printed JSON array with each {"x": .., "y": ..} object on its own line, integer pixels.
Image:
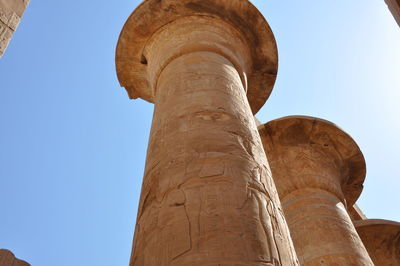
[
  {"x": 207, "y": 195},
  {"x": 322, "y": 230}
]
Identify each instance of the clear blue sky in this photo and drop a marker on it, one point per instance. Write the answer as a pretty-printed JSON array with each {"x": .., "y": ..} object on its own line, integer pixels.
[{"x": 73, "y": 146}]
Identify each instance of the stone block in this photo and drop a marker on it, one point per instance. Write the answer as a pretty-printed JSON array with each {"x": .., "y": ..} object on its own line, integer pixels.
[{"x": 10, "y": 15}]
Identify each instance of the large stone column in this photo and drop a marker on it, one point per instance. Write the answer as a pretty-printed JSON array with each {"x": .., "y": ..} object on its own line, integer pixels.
[
  {"x": 382, "y": 240},
  {"x": 318, "y": 171},
  {"x": 207, "y": 195}
]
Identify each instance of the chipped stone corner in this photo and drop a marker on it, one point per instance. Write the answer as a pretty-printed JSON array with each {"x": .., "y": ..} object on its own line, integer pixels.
[{"x": 10, "y": 16}]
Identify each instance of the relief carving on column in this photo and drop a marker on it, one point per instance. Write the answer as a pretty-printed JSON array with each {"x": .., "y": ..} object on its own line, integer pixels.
[
  {"x": 207, "y": 197},
  {"x": 318, "y": 171},
  {"x": 305, "y": 145}
]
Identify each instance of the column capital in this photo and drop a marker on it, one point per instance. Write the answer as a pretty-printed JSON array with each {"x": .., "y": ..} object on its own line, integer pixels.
[
  {"x": 235, "y": 29},
  {"x": 381, "y": 238},
  {"x": 308, "y": 152}
]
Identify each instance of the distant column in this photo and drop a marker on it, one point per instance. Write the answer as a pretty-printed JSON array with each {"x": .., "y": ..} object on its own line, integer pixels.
[
  {"x": 10, "y": 15},
  {"x": 207, "y": 195},
  {"x": 7, "y": 258},
  {"x": 318, "y": 171},
  {"x": 382, "y": 240}
]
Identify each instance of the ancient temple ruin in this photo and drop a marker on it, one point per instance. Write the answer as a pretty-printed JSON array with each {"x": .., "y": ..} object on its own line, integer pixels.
[
  {"x": 220, "y": 188},
  {"x": 208, "y": 197},
  {"x": 217, "y": 189}
]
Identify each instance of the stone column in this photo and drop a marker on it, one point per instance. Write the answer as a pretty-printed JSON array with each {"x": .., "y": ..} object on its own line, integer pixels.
[
  {"x": 382, "y": 240},
  {"x": 207, "y": 195},
  {"x": 318, "y": 171}
]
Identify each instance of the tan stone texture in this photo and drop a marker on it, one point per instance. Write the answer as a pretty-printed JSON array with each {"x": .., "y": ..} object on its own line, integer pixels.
[
  {"x": 318, "y": 170},
  {"x": 207, "y": 196},
  {"x": 10, "y": 15},
  {"x": 382, "y": 240},
  {"x": 7, "y": 258}
]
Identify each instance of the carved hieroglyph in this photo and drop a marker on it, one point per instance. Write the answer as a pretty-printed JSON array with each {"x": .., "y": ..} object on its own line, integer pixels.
[
  {"x": 10, "y": 14},
  {"x": 7, "y": 258},
  {"x": 382, "y": 240},
  {"x": 207, "y": 195},
  {"x": 318, "y": 170}
]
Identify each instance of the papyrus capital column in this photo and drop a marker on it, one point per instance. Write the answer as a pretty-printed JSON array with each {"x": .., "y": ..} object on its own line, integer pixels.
[
  {"x": 318, "y": 170},
  {"x": 207, "y": 196},
  {"x": 381, "y": 238},
  {"x": 253, "y": 42}
]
